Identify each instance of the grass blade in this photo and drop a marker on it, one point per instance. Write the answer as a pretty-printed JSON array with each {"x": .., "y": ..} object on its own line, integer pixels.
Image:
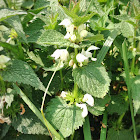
[
  {"x": 106, "y": 46},
  {"x": 37, "y": 112},
  {"x": 126, "y": 66}
]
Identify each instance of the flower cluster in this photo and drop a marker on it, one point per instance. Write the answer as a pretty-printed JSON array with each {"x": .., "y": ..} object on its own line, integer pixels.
[
  {"x": 74, "y": 33},
  {"x": 84, "y": 56},
  {"x": 87, "y": 99}
]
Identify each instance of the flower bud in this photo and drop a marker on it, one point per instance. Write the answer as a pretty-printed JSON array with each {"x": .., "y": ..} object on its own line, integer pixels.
[
  {"x": 71, "y": 63},
  {"x": 74, "y": 66},
  {"x": 73, "y": 38},
  {"x": 83, "y": 33}
]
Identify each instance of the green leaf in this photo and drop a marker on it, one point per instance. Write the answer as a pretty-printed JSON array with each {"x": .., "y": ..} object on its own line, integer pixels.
[
  {"x": 28, "y": 123},
  {"x": 127, "y": 29},
  {"x": 119, "y": 135},
  {"x": 95, "y": 38},
  {"x": 52, "y": 37},
  {"x": 15, "y": 23},
  {"x": 69, "y": 13},
  {"x": 99, "y": 106},
  {"x": 81, "y": 20},
  {"x": 136, "y": 93},
  {"x": 20, "y": 72},
  {"x": 40, "y": 4},
  {"x": 6, "y": 13},
  {"x": 64, "y": 117},
  {"x": 34, "y": 30},
  {"x": 12, "y": 48},
  {"x": 117, "y": 105},
  {"x": 92, "y": 79}
]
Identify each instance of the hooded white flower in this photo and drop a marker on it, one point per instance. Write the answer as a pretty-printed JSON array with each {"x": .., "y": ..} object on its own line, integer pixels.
[
  {"x": 60, "y": 53},
  {"x": 4, "y": 59},
  {"x": 73, "y": 38},
  {"x": 85, "y": 55},
  {"x": 83, "y": 33},
  {"x": 88, "y": 99},
  {"x": 63, "y": 94},
  {"x": 81, "y": 58},
  {"x": 66, "y": 22},
  {"x": 85, "y": 110}
]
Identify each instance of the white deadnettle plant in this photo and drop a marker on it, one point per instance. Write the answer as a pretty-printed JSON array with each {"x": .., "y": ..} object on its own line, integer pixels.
[{"x": 85, "y": 55}]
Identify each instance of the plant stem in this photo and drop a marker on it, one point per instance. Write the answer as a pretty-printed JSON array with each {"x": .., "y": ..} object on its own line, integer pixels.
[
  {"x": 120, "y": 120},
  {"x": 104, "y": 128},
  {"x": 76, "y": 52},
  {"x": 125, "y": 59},
  {"x": 134, "y": 46},
  {"x": 75, "y": 91},
  {"x": 2, "y": 85},
  {"x": 21, "y": 54},
  {"x": 62, "y": 82},
  {"x": 86, "y": 129}
]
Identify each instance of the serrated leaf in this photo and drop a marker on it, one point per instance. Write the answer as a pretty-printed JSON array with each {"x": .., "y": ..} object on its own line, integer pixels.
[
  {"x": 6, "y": 13},
  {"x": 20, "y": 72},
  {"x": 28, "y": 123},
  {"x": 99, "y": 106},
  {"x": 119, "y": 135},
  {"x": 136, "y": 93},
  {"x": 41, "y": 4},
  {"x": 127, "y": 29},
  {"x": 64, "y": 117},
  {"x": 34, "y": 30},
  {"x": 52, "y": 37},
  {"x": 92, "y": 79},
  {"x": 117, "y": 105},
  {"x": 15, "y": 23}
]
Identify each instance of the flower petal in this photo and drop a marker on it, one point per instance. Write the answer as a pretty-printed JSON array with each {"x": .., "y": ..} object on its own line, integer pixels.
[
  {"x": 92, "y": 48},
  {"x": 66, "y": 22},
  {"x": 81, "y": 58},
  {"x": 63, "y": 94},
  {"x": 88, "y": 99},
  {"x": 85, "y": 110}
]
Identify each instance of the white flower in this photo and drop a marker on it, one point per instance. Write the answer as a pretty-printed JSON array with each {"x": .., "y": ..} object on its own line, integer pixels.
[
  {"x": 60, "y": 53},
  {"x": 66, "y": 22},
  {"x": 67, "y": 36},
  {"x": 92, "y": 48},
  {"x": 4, "y": 59},
  {"x": 74, "y": 66},
  {"x": 1, "y": 48},
  {"x": 85, "y": 110},
  {"x": 70, "y": 29},
  {"x": 73, "y": 38},
  {"x": 83, "y": 33},
  {"x": 63, "y": 94},
  {"x": 88, "y": 99},
  {"x": 81, "y": 27},
  {"x": 81, "y": 58}
]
